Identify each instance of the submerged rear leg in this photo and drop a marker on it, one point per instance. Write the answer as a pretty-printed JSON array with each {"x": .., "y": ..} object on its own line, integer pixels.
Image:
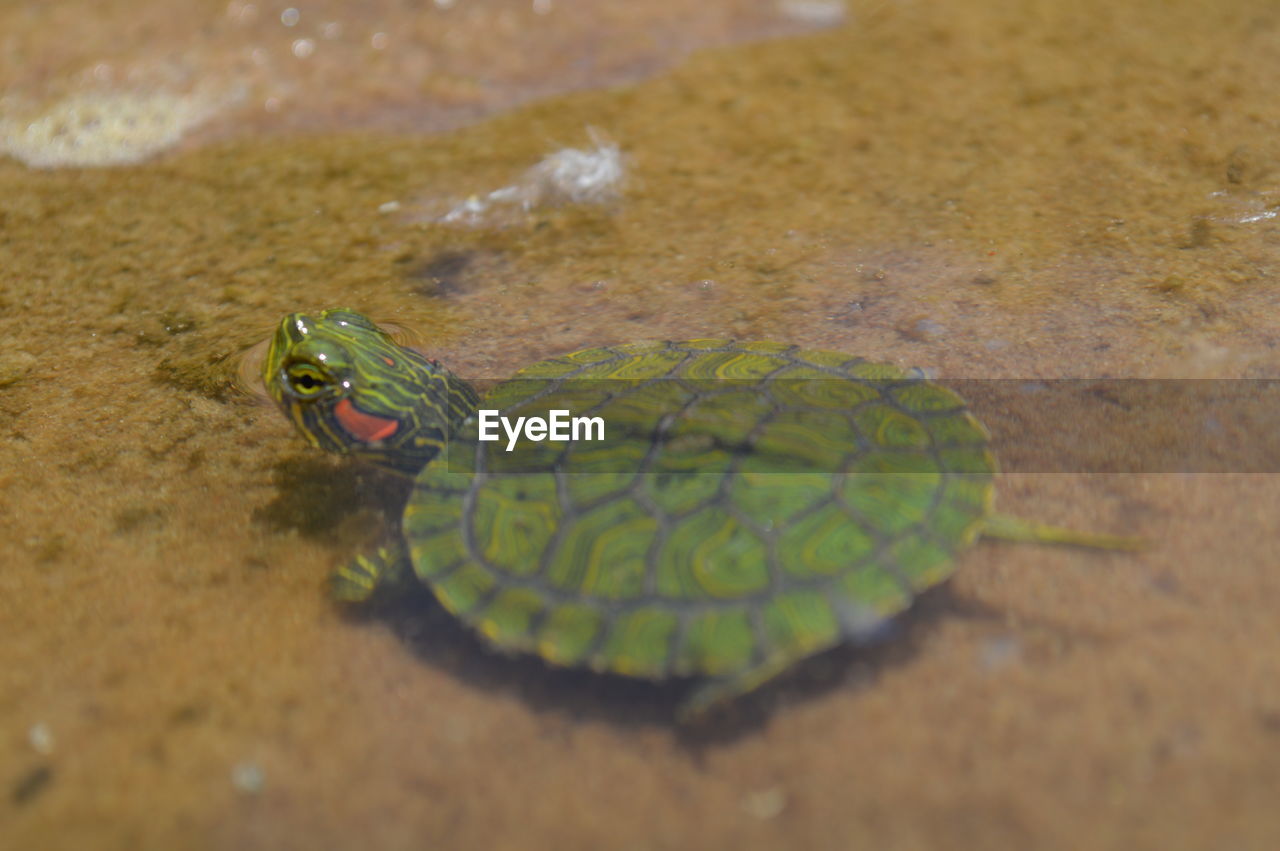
[
  {"x": 715, "y": 693},
  {"x": 386, "y": 567},
  {"x": 854, "y": 623}
]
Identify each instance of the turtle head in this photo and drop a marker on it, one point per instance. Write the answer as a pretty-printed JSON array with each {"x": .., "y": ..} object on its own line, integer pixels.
[{"x": 350, "y": 388}]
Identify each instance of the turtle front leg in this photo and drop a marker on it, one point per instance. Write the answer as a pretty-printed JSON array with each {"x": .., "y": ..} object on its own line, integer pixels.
[{"x": 356, "y": 581}]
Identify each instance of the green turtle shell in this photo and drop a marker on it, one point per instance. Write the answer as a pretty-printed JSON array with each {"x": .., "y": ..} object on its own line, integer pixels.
[{"x": 751, "y": 501}]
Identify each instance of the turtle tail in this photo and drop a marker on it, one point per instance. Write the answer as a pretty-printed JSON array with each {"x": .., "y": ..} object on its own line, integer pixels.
[{"x": 1009, "y": 528}]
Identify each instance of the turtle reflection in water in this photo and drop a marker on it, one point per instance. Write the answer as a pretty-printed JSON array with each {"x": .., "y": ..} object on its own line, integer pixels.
[{"x": 724, "y": 530}]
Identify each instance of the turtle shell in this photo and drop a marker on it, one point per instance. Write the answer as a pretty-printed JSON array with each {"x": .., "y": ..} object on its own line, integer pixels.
[{"x": 750, "y": 501}]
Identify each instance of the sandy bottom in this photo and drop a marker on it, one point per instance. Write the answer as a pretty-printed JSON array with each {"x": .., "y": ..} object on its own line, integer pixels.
[{"x": 1017, "y": 190}]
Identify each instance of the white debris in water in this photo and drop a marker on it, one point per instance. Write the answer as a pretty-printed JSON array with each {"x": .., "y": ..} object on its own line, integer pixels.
[
  {"x": 817, "y": 12},
  {"x": 104, "y": 128},
  {"x": 577, "y": 177},
  {"x": 1259, "y": 217},
  {"x": 569, "y": 176},
  {"x": 40, "y": 737},
  {"x": 929, "y": 328},
  {"x": 1246, "y": 208},
  {"x": 248, "y": 777},
  {"x": 389, "y": 207},
  {"x": 765, "y": 804},
  {"x": 999, "y": 652}
]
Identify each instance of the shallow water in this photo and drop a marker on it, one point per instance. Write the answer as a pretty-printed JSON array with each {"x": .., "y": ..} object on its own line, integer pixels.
[{"x": 1021, "y": 190}]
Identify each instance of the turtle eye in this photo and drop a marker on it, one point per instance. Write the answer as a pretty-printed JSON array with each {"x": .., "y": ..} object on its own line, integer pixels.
[{"x": 305, "y": 379}]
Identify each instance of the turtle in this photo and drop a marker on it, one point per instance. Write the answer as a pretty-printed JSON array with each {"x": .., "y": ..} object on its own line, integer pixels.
[{"x": 750, "y": 505}]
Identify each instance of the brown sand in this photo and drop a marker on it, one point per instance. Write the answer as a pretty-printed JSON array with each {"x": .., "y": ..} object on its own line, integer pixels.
[{"x": 1021, "y": 189}]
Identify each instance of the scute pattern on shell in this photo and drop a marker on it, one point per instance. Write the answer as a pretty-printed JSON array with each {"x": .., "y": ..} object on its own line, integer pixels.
[{"x": 796, "y": 501}]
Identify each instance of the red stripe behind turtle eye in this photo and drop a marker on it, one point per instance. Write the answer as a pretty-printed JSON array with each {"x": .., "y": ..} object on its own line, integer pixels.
[{"x": 362, "y": 426}]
